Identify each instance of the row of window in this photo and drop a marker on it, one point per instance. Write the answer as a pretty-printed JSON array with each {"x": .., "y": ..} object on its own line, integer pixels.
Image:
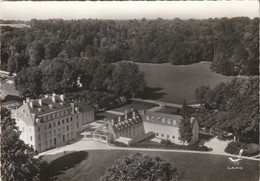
[
  {"x": 56, "y": 115},
  {"x": 163, "y": 120},
  {"x": 53, "y": 142},
  {"x": 58, "y": 123},
  {"x": 167, "y": 136},
  {"x": 59, "y": 131}
]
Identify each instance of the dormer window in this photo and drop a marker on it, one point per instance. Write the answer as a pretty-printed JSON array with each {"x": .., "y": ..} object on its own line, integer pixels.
[{"x": 50, "y": 106}]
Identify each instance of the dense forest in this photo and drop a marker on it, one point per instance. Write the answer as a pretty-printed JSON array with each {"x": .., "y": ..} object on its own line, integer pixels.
[
  {"x": 232, "y": 107},
  {"x": 231, "y": 44}
]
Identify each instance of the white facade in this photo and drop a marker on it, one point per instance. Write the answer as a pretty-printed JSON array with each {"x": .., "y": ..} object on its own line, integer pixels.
[
  {"x": 50, "y": 122},
  {"x": 163, "y": 131}
]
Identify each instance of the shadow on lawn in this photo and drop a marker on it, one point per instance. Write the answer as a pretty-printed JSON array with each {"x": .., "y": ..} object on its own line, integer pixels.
[
  {"x": 152, "y": 93},
  {"x": 56, "y": 167}
]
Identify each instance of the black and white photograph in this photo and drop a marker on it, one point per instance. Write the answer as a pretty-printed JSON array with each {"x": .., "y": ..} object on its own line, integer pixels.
[{"x": 129, "y": 90}]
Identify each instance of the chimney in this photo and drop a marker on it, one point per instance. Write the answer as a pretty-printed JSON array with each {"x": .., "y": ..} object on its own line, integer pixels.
[
  {"x": 24, "y": 102},
  {"x": 33, "y": 116},
  {"x": 53, "y": 98},
  {"x": 51, "y": 106},
  {"x": 37, "y": 120},
  {"x": 132, "y": 109},
  {"x": 119, "y": 119},
  {"x": 27, "y": 99},
  {"x": 62, "y": 97},
  {"x": 39, "y": 109},
  {"x": 73, "y": 107},
  {"x": 133, "y": 114},
  {"x": 46, "y": 96},
  {"x": 31, "y": 104},
  {"x": 126, "y": 114},
  {"x": 77, "y": 109},
  {"x": 113, "y": 122},
  {"x": 40, "y": 101}
]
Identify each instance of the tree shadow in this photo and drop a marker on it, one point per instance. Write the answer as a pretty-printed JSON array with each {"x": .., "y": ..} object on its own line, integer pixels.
[
  {"x": 152, "y": 93},
  {"x": 61, "y": 164}
]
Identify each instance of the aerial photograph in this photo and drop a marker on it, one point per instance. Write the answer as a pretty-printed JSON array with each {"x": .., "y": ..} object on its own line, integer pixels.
[{"x": 129, "y": 91}]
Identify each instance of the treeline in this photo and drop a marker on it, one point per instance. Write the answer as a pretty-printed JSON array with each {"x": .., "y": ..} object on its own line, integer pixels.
[
  {"x": 82, "y": 77},
  {"x": 232, "y": 107},
  {"x": 231, "y": 44}
]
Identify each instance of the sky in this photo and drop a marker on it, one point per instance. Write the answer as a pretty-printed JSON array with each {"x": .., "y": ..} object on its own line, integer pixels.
[{"x": 128, "y": 10}]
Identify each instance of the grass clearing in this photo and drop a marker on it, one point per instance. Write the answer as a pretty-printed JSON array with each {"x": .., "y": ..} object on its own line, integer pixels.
[
  {"x": 192, "y": 167},
  {"x": 174, "y": 84}
]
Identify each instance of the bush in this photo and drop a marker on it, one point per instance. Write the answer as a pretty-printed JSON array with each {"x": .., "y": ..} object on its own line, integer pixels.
[
  {"x": 167, "y": 144},
  {"x": 249, "y": 149}
]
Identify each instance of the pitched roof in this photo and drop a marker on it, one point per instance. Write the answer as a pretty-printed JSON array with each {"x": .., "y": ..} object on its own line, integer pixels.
[
  {"x": 157, "y": 118},
  {"x": 47, "y": 105},
  {"x": 23, "y": 113}
]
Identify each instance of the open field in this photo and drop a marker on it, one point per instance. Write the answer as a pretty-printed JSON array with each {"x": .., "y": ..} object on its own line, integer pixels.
[
  {"x": 174, "y": 84},
  {"x": 192, "y": 167}
]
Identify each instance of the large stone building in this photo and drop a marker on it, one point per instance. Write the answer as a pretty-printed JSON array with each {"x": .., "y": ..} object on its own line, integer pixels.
[
  {"x": 129, "y": 125},
  {"x": 49, "y": 122}
]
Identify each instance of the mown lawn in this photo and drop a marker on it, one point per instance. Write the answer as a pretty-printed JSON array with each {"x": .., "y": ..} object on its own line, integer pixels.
[
  {"x": 175, "y": 84},
  {"x": 192, "y": 167}
]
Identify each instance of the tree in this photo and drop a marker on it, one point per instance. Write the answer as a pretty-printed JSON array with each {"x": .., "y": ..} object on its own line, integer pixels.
[
  {"x": 17, "y": 158},
  {"x": 126, "y": 80},
  {"x": 28, "y": 81},
  {"x": 140, "y": 167},
  {"x": 185, "y": 129}
]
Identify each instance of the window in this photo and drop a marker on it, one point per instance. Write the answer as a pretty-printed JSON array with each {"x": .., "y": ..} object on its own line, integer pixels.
[
  {"x": 157, "y": 134},
  {"x": 31, "y": 138},
  {"x": 169, "y": 121},
  {"x": 67, "y": 120},
  {"x": 173, "y": 137},
  {"x": 50, "y": 141},
  {"x": 168, "y": 136},
  {"x": 58, "y": 122},
  {"x": 70, "y": 118},
  {"x": 77, "y": 117},
  {"x": 39, "y": 137},
  {"x": 54, "y": 132},
  {"x": 162, "y": 135},
  {"x": 67, "y": 128},
  {"x": 54, "y": 124},
  {"x": 39, "y": 129},
  {"x": 45, "y": 127},
  {"x": 163, "y": 120},
  {"x": 49, "y": 125},
  {"x": 63, "y": 121},
  {"x": 77, "y": 124},
  {"x": 46, "y": 142}
]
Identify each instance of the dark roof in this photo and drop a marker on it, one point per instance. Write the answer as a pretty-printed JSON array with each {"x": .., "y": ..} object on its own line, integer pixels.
[{"x": 48, "y": 105}]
